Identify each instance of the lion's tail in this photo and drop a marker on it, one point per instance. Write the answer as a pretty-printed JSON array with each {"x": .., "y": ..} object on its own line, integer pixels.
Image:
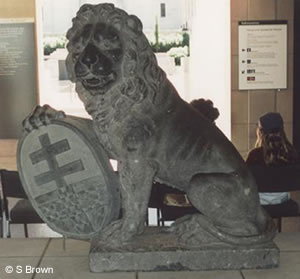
[{"x": 197, "y": 229}]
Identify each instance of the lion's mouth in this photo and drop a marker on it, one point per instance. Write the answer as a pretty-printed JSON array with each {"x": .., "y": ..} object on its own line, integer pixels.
[{"x": 98, "y": 82}]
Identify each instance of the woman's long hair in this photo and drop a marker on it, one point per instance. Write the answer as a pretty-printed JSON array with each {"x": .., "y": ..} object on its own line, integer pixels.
[{"x": 277, "y": 150}]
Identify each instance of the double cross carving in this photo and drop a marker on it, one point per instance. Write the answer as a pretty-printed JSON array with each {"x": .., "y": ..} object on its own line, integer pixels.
[
  {"x": 56, "y": 173},
  {"x": 48, "y": 153}
]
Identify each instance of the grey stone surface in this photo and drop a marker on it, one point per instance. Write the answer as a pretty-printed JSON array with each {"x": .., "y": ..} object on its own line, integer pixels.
[
  {"x": 68, "y": 179},
  {"x": 191, "y": 275},
  {"x": 155, "y": 251}
]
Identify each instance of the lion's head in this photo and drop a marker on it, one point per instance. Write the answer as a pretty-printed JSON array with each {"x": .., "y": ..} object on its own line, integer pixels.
[{"x": 108, "y": 50}]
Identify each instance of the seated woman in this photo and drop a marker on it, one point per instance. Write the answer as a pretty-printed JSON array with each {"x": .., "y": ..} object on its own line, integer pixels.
[{"x": 272, "y": 148}]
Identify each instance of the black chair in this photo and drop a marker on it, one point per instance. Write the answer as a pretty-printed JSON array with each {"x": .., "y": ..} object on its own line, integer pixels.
[
  {"x": 22, "y": 212},
  {"x": 278, "y": 179}
]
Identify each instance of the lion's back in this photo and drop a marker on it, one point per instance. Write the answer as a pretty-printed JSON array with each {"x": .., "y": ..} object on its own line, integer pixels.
[{"x": 186, "y": 143}]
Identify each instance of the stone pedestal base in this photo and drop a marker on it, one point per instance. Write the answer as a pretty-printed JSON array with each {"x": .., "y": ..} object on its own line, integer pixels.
[{"x": 156, "y": 251}]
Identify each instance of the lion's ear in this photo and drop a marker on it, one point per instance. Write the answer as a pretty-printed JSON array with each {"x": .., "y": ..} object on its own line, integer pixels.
[{"x": 135, "y": 24}]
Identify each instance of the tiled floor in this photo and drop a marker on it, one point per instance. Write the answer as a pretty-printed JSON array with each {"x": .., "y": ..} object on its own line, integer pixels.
[
  {"x": 48, "y": 256},
  {"x": 42, "y": 230}
]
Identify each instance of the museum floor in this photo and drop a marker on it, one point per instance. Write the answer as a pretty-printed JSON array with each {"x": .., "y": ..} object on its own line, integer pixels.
[{"x": 18, "y": 255}]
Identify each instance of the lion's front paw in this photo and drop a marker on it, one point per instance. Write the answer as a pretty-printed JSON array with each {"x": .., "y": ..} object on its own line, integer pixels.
[{"x": 41, "y": 116}]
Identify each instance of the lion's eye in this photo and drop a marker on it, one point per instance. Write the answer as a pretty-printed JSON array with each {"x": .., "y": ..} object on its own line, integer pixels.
[
  {"x": 115, "y": 54},
  {"x": 77, "y": 44}
]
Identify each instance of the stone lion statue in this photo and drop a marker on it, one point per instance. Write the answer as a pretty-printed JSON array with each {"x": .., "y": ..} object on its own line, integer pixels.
[{"x": 154, "y": 135}]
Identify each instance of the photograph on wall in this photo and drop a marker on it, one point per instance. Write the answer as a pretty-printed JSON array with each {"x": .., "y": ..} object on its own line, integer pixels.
[{"x": 262, "y": 55}]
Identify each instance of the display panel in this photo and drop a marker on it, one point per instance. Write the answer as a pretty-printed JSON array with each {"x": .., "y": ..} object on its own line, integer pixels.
[
  {"x": 262, "y": 55},
  {"x": 18, "y": 78}
]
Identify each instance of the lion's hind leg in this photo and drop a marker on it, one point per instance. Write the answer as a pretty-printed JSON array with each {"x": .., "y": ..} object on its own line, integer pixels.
[{"x": 229, "y": 208}]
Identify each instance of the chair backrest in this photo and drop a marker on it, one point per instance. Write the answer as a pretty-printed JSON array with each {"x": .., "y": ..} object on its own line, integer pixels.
[
  {"x": 11, "y": 185},
  {"x": 277, "y": 179}
]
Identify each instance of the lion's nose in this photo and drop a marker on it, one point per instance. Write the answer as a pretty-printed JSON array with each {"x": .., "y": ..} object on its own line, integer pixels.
[{"x": 90, "y": 56}]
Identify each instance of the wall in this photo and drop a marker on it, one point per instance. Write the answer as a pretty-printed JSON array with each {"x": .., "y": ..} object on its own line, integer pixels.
[
  {"x": 147, "y": 11},
  {"x": 209, "y": 61},
  {"x": 297, "y": 74},
  {"x": 57, "y": 15},
  {"x": 17, "y": 8},
  {"x": 19, "y": 86},
  {"x": 247, "y": 106},
  {"x": 13, "y": 9},
  {"x": 8, "y": 150}
]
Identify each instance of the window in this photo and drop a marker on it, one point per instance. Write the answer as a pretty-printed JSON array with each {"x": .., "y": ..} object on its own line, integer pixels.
[{"x": 162, "y": 10}]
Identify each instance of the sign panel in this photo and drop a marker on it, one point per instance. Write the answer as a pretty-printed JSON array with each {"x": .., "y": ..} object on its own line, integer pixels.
[
  {"x": 18, "y": 78},
  {"x": 262, "y": 55}
]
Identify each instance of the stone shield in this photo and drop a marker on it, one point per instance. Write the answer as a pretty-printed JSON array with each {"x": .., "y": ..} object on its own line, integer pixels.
[{"x": 68, "y": 177}]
